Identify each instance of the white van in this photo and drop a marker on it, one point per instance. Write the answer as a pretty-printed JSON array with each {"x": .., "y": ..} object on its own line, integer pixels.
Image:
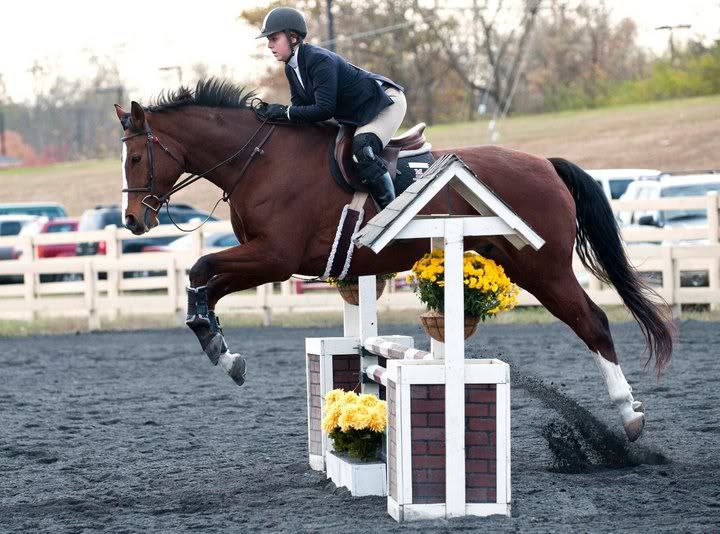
[
  {"x": 681, "y": 186},
  {"x": 614, "y": 182}
]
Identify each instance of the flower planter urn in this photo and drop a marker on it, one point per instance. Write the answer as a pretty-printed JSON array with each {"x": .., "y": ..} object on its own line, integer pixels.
[
  {"x": 433, "y": 323},
  {"x": 351, "y": 293},
  {"x": 361, "y": 478}
]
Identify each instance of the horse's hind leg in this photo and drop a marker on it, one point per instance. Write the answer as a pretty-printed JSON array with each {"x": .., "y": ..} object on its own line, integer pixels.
[{"x": 565, "y": 298}]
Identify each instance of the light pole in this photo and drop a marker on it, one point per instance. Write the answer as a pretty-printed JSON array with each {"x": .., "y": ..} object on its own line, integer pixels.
[
  {"x": 3, "y": 151},
  {"x": 671, "y": 29},
  {"x": 118, "y": 90},
  {"x": 330, "y": 26},
  {"x": 177, "y": 69}
]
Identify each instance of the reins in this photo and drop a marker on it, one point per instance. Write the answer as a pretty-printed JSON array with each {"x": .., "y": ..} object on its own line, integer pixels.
[{"x": 165, "y": 198}]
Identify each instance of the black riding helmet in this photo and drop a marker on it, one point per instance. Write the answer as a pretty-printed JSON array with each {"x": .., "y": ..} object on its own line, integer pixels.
[{"x": 284, "y": 19}]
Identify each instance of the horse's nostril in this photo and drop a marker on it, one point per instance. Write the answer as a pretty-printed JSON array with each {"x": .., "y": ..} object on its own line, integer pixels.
[{"x": 130, "y": 222}]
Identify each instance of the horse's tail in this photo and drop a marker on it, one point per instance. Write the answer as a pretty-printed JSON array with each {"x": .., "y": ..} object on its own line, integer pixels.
[{"x": 601, "y": 251}]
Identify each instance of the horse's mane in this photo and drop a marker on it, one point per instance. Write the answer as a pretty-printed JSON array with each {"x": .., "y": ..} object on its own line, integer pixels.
[{"x": 210, "y": 92}]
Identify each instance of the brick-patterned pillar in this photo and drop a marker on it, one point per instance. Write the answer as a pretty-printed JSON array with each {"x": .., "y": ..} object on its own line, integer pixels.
[
  {"x": 327, "y": 371},
  {"x": 427, "y": 416},
  {"x": 480, "y": 449},
  {"x": 314, "y": 406},
  {"x": 392, "y": 440},
  {"x": 346, "y": 371}
]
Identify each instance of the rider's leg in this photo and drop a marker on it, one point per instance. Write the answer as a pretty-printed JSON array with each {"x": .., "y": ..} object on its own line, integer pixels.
[{"x": 369, "y": 142}]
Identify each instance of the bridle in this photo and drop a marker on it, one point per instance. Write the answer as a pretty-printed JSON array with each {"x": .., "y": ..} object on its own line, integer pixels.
[
  {"x": 150, "y": 188},
  {"x": 154, "y": 203}
]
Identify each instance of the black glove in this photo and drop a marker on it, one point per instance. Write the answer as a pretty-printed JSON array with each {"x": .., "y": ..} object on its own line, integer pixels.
[{"x": 276, "y": 111}]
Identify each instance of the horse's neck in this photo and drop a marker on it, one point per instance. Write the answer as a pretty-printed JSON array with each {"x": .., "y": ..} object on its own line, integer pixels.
[{"x": 209, "y": 136}]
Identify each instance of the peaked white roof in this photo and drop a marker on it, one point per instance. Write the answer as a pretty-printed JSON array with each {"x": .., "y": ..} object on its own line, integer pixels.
[{"x": 448, "y": 169}]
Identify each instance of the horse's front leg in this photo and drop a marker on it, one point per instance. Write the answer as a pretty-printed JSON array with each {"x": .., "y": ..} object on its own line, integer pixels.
[{"x": 215, "y": 275}]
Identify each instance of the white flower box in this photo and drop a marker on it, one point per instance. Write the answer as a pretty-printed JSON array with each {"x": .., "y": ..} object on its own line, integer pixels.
[{"x": 361, "y": 478}]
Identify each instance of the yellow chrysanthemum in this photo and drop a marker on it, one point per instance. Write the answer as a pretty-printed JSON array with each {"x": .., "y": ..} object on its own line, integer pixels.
[{"x": 334, "y": 396}]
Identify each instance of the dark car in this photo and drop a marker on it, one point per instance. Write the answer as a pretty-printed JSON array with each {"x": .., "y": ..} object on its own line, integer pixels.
[
  {"x": 51, "y": 210},
  {"x": 102, "y": 216}
]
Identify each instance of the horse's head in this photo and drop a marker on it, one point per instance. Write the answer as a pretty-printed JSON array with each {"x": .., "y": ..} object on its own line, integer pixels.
[{"x": 148, "y": 174}]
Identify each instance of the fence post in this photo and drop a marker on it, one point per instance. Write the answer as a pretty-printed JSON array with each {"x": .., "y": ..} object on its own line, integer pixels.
[
  {"x": 173, "y": 290},
  {"x": 671, "y": 272},
  {"x": 30, "y": 278},
  {"x": 89, "y": 276},
  {"x": 197, "y": 243},
  {"x": 113, "y": 248},
  {"x": 713, "y": 219},
  {"x": 265, "y": 310}
]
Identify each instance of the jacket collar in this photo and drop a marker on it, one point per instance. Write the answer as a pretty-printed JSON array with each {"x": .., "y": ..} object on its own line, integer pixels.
[{"x": 293, "y": 61}]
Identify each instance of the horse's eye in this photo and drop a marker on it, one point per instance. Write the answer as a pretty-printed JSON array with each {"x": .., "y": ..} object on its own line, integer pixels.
[{"x": 136, "y": 159}]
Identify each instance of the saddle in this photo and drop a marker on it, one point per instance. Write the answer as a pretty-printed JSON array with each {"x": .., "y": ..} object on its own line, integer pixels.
[{"x": 411, "y": 143}]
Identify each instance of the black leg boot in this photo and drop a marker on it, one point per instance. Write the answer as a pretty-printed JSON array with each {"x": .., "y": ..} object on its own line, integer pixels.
[
  {"x": 382, "y": 189},
  {"x": 204, "y": 323}
]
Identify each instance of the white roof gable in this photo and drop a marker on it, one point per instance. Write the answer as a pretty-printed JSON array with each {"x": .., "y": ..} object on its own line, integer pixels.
[{"x": 448, "y": 169}]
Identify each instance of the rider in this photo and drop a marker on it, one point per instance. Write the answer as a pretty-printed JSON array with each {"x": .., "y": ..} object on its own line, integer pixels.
[{"x": 323, "y": 85}]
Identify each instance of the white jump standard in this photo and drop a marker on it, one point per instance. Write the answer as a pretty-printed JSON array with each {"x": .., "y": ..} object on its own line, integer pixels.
[{"x": 448, "y": 438}]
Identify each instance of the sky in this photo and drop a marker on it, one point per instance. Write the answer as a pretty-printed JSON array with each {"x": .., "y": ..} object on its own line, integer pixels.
[{"x": 143, "y": 36}]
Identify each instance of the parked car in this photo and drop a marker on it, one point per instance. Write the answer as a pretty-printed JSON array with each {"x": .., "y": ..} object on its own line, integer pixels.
[
  {"x": 614, "y": 182},
  {"x": 50, "y": 210},
  {"x": 221, "y": 239},
  {"x": 103, "y": 216},
  {"x": 638, "y": 190},
  {"x": 683, "y": 186},
  {"x": 11, "y": 225},
  {"x": 43, "y": 225}
]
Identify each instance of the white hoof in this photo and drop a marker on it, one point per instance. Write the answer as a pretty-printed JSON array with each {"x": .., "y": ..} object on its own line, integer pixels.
[
  {"x": 637, "y": 406},
  {"x": 634, "y": 426},
  {"x": 234, "y": 366}
]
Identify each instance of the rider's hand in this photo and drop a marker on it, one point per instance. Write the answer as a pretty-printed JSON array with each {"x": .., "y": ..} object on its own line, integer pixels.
[{"x": 276, "y": 111}]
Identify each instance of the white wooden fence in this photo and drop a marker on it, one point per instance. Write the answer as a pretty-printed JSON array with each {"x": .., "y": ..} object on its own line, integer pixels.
[{"x": 97, "y": 298}]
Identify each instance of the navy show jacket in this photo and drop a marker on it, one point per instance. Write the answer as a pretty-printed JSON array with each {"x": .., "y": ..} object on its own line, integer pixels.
[{"x": 334, "y": 88}]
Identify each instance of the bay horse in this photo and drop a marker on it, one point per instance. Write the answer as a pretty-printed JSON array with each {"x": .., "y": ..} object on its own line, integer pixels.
[{"x": 285, "y": 208}]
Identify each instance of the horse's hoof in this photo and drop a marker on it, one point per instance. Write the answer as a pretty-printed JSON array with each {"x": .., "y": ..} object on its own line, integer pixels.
[
  {"x": 634, "y": 426},
  {"x": 215, "y": 347},
  {"x": 234, "y": 366},
  {"x": 637, "y": 406},
  {"x": 237, "y": 369}
]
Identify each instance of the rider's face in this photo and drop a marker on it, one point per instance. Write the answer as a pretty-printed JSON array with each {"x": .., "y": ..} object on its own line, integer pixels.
[{"x": 279, "y": 45}]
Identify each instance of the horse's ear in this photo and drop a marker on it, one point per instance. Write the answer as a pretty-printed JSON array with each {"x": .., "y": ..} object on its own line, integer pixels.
[
  {"x": 138, "y": 116},
  {"x": 121, "y": 113}
]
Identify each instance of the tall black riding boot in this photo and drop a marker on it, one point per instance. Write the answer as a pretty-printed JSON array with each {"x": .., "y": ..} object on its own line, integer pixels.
[{"x": 382, "y": 189}]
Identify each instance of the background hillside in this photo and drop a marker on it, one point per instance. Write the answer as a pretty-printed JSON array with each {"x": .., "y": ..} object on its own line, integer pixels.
[{"x": 667, "y": 135}]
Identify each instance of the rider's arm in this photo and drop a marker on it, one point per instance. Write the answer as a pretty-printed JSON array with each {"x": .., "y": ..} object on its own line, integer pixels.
[{"x": 325, "y": 80}]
